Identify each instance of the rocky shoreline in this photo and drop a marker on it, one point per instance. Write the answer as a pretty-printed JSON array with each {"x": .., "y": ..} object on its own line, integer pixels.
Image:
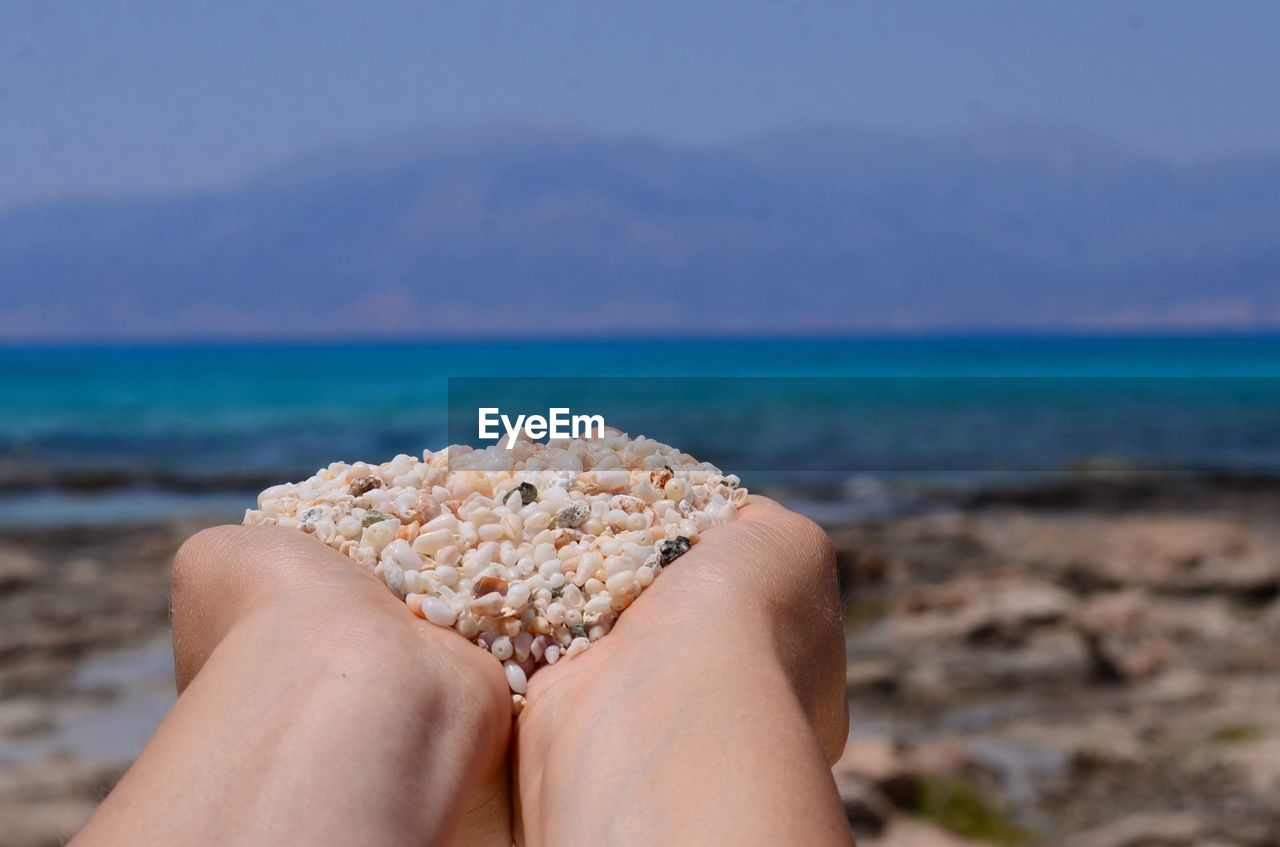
[{"x": 1091, "y": 661}]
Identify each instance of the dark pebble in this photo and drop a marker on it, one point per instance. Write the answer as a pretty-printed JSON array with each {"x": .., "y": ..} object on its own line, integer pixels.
[
  {"x": 363, "y": 485},
  {"x": 373, "y": 516},
  {"x": 672, "y": 549}
]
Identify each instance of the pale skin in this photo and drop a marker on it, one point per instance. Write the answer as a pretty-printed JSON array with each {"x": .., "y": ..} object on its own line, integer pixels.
[{"x": 315, "y": 708}]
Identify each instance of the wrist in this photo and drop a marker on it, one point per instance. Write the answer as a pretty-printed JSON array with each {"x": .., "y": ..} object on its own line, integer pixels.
[
  {"x": 693, "y": 709},
  {"x": 396, "y": 657},
  {"x": 340, "y": 722}
]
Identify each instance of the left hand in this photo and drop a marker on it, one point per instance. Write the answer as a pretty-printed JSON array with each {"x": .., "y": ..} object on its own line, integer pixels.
[{"x": 315, "y": 708}]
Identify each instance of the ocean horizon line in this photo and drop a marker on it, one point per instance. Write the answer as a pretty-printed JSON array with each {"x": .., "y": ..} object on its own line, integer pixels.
[{"x": 976, "y": 334}]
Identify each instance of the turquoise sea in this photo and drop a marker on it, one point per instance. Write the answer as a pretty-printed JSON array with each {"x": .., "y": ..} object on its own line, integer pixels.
[{"x": 119, "y": 431}]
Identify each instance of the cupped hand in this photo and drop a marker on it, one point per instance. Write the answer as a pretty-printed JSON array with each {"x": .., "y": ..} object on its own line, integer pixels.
[
  {"x": 314, "y": 707},
  {"x": 711, "y": 712}
]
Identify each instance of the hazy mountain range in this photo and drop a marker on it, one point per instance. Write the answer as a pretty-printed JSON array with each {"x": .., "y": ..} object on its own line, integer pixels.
[{"x": 528, "y": 232}]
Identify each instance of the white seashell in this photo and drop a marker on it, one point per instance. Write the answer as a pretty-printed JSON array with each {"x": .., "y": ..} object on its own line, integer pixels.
[
  {"x": 438, "y": 612},
  {"x": 502, "y": 648},
  {"x": 623, "y": 582},
  {"x": 490, "y": 604},
  {"x": 538, "y": 648},
  {"x": 380, "y": 534},
  {"x": 518, "y": 596},
  {"x": 523, "y": 644},
  {"x": 597, "y": 605},
  {"x": 430, "y": 543},
  {"x": 516, "y": 678},
  {"x": 618, "y": 564},
  {"x": 404, "y": 555},
  {"x": 393, "y": 575}
]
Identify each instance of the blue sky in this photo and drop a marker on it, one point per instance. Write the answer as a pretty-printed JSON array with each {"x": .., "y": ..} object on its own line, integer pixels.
[{"x": 121, "y": 97}]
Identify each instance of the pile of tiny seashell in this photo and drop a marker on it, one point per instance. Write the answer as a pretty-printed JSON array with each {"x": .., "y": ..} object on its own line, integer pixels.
[{"x": 530, "y": 552}]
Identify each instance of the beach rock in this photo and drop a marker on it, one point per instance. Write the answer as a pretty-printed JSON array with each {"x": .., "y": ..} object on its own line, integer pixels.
[
  {"x": 1100, "y": 741},
  {"x": 1120, "y": 639},
  {"x": 1144, "y": 830},
  {"x": 1002, "y": 608},
  {"x": 945, "y": 758},
  {"x": 1271, "y": 618},
  {"x": 1258, "y": 762},
  {"x": 865, "y": 806},
  {"x": 1047, "y": 657},
  {"x": 860, "y": 564},
  {"x": 1177, "y": 685},
  {"x": 20, "y": 718},
  {"x": 44, "y": 823},
  {"x": 1172, "y": 553},
  {"x": 908, "y": 832},
  {"x": 870, "y": 676},
  {"x": 878, "y": 762},
  {"x": 17, "y": 568},
  {"x": 45, "y": 802}
]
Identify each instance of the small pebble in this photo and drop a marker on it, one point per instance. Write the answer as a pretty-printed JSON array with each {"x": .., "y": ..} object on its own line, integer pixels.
[
  {"x": 487, "y": 584},
  {"x": 373, "y": 516},
  {"x": 572, "y": 515},
  {"x": 672, "y": 549},
  {"x": 363, "y": 485},
  {"x": 528, "y": 493}
]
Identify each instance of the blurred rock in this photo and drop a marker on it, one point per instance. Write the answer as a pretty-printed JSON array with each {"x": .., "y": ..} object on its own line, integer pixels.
[
  {"x": 1119, "y": 636},
  {"x": 1177, "y": 685},
  {"x": 1101, "y": 741},
  {"x": 1182, "y": 553},
  {"x": 880, "y": 763},
  {"x": 1258, "y": 760},
  {"x": 870, "y": 676},
  {"x": 906, "y": 832},
  {"x": 45, "y": 802},
  {"x": 1144, "y": 830},
  {"x": 17, "y": 568},
  {"x": 24, "y": 717},
  {"x": 1004, "y": 609},
  {"x": 865, "y": 806},
  {"x": 44, "y": 823}
]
